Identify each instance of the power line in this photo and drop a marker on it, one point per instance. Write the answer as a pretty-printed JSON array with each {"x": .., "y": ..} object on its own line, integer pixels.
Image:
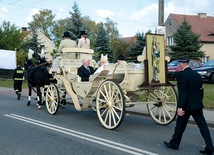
[
  {"x": 22, "y": 6},
  {"x": 30, "y": 6}
]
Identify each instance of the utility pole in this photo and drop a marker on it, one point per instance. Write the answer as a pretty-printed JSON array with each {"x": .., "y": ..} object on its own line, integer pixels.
[{"x": 161, "y": 13}]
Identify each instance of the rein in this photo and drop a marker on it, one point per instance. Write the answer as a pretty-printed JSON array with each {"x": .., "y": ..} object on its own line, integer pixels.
[{"x": 44, "y": 63}]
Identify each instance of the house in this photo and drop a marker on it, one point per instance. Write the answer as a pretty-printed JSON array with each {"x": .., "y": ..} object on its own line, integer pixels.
[
  {"x": 129, "y": 40},
  {"x": 45, "y": 41},
  {"x": 201, "y": 24}
]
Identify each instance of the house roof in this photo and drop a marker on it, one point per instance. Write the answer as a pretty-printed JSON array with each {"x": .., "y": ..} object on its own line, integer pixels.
[
  {"x": 128, "y": 40},
  {"x": 40, "y": 35},
  {"x": 201, "y": 24}
]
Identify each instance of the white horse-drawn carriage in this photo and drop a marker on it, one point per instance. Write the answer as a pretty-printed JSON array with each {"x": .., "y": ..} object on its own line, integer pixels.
[{"x": 110, "y": 92}]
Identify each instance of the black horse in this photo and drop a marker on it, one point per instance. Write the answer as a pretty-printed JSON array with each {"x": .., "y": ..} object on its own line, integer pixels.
[{"x": 37, "y": 77}]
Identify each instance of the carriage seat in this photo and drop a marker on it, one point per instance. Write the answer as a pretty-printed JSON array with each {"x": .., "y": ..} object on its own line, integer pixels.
[
  {"x": 77, "y": 53},
  {"x": 74, "y": 77},
  {"x": 70, "y": 65}
]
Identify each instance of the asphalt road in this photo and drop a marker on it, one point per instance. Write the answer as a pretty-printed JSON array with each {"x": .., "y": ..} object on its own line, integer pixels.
[{"x": 26, "y": 130}]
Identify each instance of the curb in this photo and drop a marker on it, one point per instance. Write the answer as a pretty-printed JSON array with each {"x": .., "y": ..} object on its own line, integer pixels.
[{"x": 211, "y": 125}]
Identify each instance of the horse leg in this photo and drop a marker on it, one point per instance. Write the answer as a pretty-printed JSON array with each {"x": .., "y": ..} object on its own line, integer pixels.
[
  {"x": 44, "y": 92},
  {"x": 39, "y": 97},
  {"x": 63, "y": 101},
  {"x": 29, "y": 95}
]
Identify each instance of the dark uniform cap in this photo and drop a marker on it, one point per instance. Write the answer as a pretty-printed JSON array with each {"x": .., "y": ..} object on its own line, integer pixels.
[
  {"x": 183, "y": 60},
  {"x": 19, "y": 65},
  {"x": 120, "y": 57}
]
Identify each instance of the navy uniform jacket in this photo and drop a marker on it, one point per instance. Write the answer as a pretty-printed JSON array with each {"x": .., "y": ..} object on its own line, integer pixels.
[
  {"x": 190, "y": 90},
  {"x": 84, "y": 73},
  {"x": 18, "y": 74}
]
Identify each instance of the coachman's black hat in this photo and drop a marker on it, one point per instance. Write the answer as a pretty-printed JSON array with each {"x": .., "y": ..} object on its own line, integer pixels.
[
  {"x": 82, "y": 33},
  {"x": 66, "y": 34}
]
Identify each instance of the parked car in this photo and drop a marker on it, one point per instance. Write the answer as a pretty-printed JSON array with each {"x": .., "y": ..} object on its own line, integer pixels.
[
  {"x": 206, "y": 71},
  {"x": 173, "y": 67}
]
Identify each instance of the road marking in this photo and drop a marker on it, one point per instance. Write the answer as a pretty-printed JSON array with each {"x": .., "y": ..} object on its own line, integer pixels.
[{"x": 101, "y": 141}]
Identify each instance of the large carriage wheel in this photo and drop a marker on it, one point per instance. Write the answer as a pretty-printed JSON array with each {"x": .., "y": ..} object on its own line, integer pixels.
[
  {"x": 163, "y": 110},
  {"x": 52, "y": 99},
  {"x": 110, "y": 104}
]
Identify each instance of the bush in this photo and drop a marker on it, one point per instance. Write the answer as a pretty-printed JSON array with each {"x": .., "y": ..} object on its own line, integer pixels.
[{"x": 6, "y": 73}]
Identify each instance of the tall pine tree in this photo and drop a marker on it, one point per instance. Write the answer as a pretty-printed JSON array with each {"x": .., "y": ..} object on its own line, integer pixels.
[
  {"x": 186, "y": 43},
  {"x": 137, "y": 47},
  {"x": 76, "y": 21},
  {"x": 34, "y": 44},
  {"x": 102, "y": 45}
]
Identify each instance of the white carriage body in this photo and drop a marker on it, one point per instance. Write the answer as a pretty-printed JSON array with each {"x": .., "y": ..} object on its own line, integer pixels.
[
  {"x": 129, "y": 76},
  {"x": 120, "y": 82}
]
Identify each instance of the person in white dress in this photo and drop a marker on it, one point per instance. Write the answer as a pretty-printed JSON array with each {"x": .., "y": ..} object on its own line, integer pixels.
[{"x": 83, "y": 42}]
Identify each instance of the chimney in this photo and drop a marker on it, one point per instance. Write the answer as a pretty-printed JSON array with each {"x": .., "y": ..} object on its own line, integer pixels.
[
  {"x": 24, "y": 29},
  {"x": 202, "y": 15}
]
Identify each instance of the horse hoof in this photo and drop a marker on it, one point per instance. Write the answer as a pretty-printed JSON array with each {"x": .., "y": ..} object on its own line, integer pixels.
[
  {"x": 39, "y": 106},
  {"x": 28, "y": 104},
  {"x": 63, "y": 105}
]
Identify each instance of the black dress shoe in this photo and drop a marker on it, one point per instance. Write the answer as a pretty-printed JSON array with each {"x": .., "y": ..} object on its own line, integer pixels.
[
  {"x": 170, "y": 146},
  {"x": 206, "y": 151}
]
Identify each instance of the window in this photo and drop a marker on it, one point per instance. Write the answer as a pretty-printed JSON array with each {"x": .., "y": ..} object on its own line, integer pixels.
[
  {"x": 205, "y": 59},
  {"x": 170, "y": 41}
]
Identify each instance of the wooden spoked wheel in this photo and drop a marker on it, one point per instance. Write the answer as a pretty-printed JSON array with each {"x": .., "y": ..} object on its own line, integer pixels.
[
  {"x": 162, "y": 104},
  {"x": 110, "y": 104},
  {"x": 52, "y": 99}
]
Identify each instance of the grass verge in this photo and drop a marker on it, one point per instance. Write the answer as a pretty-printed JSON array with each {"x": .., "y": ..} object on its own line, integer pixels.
[
  {"x": 208, "y": 91},
  {"x": 9, "y": 83}
]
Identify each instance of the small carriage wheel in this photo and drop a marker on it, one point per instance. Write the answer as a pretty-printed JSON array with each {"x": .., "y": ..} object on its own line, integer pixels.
[
  {"x": 110, "y": 104},
  {"x": 52, "y": 99},
  {"x": 164, "y": 107}
]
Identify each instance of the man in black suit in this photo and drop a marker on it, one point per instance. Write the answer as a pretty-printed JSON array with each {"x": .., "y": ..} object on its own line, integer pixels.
[
  {"x": 85, "y": 70},
  {"x": 190, "y": 90}
]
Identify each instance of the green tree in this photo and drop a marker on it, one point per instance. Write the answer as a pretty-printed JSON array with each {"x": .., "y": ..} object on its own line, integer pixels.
[
  {"x": 43, "y": 21},
  {"x": 186, "y": 43},
  {"x": 76, "y": 24},
  {"x": 10, "y": 36},
  {"x": 113, "y": 34},
  {"x": 136, "y": 48},
  {"x": 111, "y": 29},
  {"x": 120, "y": 48},
  {"x": 33, "y": 43},
  {"x": 60, "y": 26},
  {"x": 21, "y": 57},
  {"x": 91, "y": 28},
  {"x": 102, "y": 45}
]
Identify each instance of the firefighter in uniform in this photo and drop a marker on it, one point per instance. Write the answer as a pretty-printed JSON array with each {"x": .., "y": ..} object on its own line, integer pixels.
[{"x": 18, "y": 77}]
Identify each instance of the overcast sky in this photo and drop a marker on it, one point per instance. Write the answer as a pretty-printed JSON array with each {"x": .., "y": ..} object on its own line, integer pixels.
[{"x": 132, "y": 16}]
